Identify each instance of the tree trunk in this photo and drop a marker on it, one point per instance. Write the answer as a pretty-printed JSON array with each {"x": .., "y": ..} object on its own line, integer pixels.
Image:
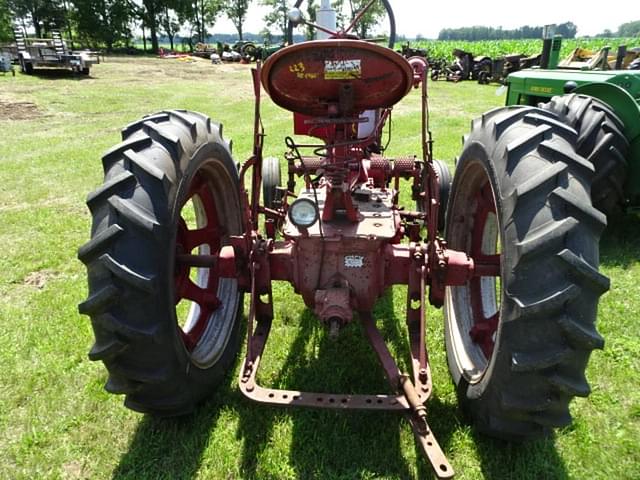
[
  {"x": 68, "y": 22},
  {"x": 144, "y": 39},
  {"x": 36, "y": 24},
  {"x": 153, "y": 24},
  {"x": 239, "y": 28},
  {"x": 154, "y": 36},
  {"x": 201, "y": 20}
]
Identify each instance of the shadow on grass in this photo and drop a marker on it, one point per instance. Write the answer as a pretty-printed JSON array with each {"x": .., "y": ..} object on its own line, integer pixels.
[
  {"x": 620, "y": 243},
  {"x": 58, "y": 73},
  {"x": 171, "y": 448},
  {"x": 328, "y": 443},
  {"x": 534, "y": 460}
]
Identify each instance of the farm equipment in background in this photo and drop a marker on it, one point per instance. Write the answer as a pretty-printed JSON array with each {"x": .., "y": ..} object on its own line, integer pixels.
[
  {"x": 244, "y": 51},
  {"x": 483, "y": 68},
  {"x": 6, "y": 64},
  {"x": 180, "y": 233},
  {"x": 407, "y": 51},
  {"x": 51, "y": 53},
  {"x": 461, "y": 67},
  {"x": 204, "y": 50},
  {"x": 437, "y": 68},
  {"x": 604, "y": 107},
  {"x": 583, "y": 59},
  {"x": 500, "y": 68}
]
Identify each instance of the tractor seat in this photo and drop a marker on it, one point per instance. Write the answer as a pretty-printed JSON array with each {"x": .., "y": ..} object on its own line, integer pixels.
[{"x": 336, "y": 77}]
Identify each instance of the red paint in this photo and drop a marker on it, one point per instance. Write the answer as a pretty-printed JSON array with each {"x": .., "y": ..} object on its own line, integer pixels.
[
  {"x": 484, "y": 328},
  {"x": 186, "y": 241},
  {"x": 308, "y": 77}
]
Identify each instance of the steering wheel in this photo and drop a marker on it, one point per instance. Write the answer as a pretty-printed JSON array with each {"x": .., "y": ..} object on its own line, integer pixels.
[{"x": 387, "y": 7}]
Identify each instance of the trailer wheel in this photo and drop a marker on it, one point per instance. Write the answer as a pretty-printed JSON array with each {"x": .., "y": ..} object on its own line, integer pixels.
[
  {"x": 166, "y": 332},
  {"x": 519, "y": 338},
  {"x": 26, "y": 67},
  {"x": 85, "y": 71},
  {"x": 601, "y": 141}
]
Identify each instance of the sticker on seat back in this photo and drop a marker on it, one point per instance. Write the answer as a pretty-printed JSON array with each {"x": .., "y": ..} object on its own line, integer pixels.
[{"x": 342, "y": 69}]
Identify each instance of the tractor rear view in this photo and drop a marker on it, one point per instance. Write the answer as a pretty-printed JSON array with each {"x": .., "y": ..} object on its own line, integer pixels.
[{"x": 180, "y": 234}]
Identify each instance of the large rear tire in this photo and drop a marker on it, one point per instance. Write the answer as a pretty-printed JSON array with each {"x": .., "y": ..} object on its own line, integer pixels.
[
  {"x": 167, "y": 333},
  {"x": 518, "y": 342},
  {"x": 601, "y": 141}
]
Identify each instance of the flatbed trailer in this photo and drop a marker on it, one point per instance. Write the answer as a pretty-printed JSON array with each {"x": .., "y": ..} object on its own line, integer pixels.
[{"x": 51, "y": 52}]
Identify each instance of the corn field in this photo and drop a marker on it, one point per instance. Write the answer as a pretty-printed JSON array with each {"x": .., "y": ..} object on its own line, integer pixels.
[{"x": 497, "y": 48}]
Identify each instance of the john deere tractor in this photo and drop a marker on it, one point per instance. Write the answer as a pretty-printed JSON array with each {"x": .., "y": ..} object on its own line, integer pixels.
[{"x": 602, "y": 105}]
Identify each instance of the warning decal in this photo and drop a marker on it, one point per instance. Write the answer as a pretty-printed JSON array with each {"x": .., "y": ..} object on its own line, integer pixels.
[{"x": 342, "y": 69}]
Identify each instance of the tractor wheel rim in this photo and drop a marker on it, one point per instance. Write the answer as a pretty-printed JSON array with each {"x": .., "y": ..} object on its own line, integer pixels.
[
  {"x": 201, "y": 289},
  {"x": 473, "y": 309},
  {"x": 485, "y": 290}
]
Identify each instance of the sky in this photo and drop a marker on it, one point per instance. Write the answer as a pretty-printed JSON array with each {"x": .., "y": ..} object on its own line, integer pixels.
[{"x": 427, "y": 18}]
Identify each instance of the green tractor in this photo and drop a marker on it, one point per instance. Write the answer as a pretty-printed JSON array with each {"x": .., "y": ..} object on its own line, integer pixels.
[{"x": 603, "y": 106}]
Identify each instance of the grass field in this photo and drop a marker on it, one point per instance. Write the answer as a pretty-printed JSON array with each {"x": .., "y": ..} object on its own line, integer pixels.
[{"x": 56, "y": 421}]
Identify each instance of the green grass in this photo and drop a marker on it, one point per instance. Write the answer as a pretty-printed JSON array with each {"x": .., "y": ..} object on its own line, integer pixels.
[{"x": 57, "y": 422}]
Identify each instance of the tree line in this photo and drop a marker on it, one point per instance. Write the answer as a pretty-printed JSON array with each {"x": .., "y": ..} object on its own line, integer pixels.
[
  {"x": 113, "y": 24},
  {"x": 567, "y": 30},
  {"x": 629, "y": 29}
]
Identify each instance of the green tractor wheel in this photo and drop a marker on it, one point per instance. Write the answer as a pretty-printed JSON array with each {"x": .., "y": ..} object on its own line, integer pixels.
[{"x": 601, "y": 141}]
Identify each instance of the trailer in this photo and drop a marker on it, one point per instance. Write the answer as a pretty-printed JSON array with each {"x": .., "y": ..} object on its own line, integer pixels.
[{"x": 51, "y": 52}]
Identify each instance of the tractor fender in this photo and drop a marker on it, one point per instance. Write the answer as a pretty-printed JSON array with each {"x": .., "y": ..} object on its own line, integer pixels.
[
  {"x": 25, "y": 55},
  {"x": 620, "y": 101},
  {"x": 627, "y": 109}
]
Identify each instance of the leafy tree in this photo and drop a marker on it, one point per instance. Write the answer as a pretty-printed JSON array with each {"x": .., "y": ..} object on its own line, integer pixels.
[
  {"x": 236, "y": 11},
  {"x": 567, "y": 30},
  {"x": 606, "y": 34},
  {"x": 370, "y": 19},
  {"x": 312, "y": 6},
  {"x": 43, "y": 15},
  {"x": 629, "y": 29},
  {"x": 103, "y": 22},
  {"x": 277, "y": 16},
  {"x": 170, "y": 23},
  {"x": 150, "y": 16},
  {"x": 266, "y": 35},
  {"x": 6, "y": 32},
  {"x": 200, "y": 14}
]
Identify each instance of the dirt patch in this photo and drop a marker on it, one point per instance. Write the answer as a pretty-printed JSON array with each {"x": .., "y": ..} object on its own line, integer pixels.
[
  {"x": 39, "y": 279},
  {"x": 18, "y": 110},
  {"x": 73, "y": 470}
]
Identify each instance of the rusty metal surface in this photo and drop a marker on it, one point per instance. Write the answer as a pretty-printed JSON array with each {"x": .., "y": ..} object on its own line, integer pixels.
[
  {"x": 377, "y": 218},
  {"x": 295, "y": 398},
  {"x": 334, "y": 305},
  {"x": 256, "y": 341},
  {"x": 431, "y": 449},
  {"x": 308, "y": 77}
]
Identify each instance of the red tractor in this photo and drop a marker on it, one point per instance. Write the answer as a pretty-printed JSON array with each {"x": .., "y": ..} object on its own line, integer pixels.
[{"x": 179, "y": 227}]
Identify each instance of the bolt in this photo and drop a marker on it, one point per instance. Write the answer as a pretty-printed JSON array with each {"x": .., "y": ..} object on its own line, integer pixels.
[{"x": 334, "y": 328}]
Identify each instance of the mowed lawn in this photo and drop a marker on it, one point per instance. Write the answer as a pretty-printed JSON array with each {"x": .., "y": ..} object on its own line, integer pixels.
[{"x": 56, "y": 421}]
